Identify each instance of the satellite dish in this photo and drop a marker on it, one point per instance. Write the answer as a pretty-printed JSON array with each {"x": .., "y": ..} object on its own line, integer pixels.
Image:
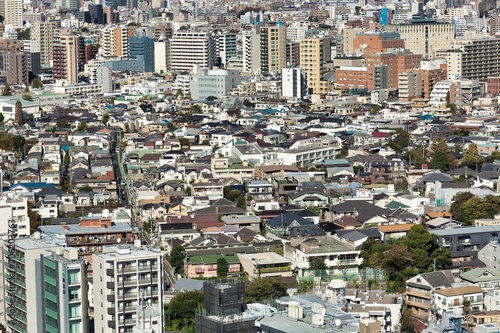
[{"x": 337, "y": 322}]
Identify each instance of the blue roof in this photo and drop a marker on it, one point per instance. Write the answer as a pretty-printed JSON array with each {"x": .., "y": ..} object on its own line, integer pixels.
[{"x": 32, "y": 185}]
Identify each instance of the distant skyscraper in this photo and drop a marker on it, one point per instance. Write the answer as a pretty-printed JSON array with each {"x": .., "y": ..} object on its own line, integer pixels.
[
  {"x": 96, "y": 14},
  {"x": 114, "y": 41},
  {"x": 162, "y": 56}
]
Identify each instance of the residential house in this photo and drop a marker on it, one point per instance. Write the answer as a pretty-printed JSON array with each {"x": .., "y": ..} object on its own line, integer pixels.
[
  {"x": 339, "y": 255},
  {"x": 447, "y": 299},
  {"x": 309, "y": 199},
  {"x": 206, "y": 266},
  {"x": 420, "y": 289},
  {"x": 269, "y": 264}
]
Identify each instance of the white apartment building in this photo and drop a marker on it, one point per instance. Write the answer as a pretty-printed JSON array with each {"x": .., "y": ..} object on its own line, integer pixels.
[
  {"x": 226, "y": 47},
  {"x": 293, "y": 83},
  {"x": 162, "y": 56},
  {"x": 449, "y": 298},
  {"x": 190, "y": 48},
  {"x": 114, "y": 42},
  {"x": 251, "y": 53},
  {"x": 127, "y": 283},
  {"x": 212, "y": 82},
  {"x": 20, "y": 294},
  {"x": 14, "y": 208},
  {"x": 439, "y": 93}
]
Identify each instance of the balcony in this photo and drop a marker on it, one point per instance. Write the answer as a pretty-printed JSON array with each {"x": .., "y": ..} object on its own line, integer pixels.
[
  {"x": 111, "y": 311},
  {"x": 130, "y": 308},
  {"x": 127, "y": 322},
  {"x": 111, "y": 324}
]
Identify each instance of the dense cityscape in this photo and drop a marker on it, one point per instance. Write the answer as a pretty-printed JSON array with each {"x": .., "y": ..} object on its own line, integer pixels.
[{"x": 249, "y": 166}]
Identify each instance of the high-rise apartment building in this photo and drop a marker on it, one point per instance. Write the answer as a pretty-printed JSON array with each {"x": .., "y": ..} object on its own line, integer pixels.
[
  {"x": 13, "y": 62},
  {"x": 251, "y": 53},
  {"x": 114, "y": 41},
  {"x": 21, "y": 294},
  {"x": 14, "y": 208},
  {"x": 64, "y": 290},
  {"x": 293, "y": 83},
  {"x": 272, "y": 48},
  {"x": 45, "y": 33},
  {"x": 314, "y": 52},
  {"x": 475, "y": 59},
  {"x": 225, "y": 47},
  {"x": 409, "y": 86},
  {"x": 12, "y": 12},
  {"x": 32, "y": 51},
  {"x": 425, "y": 36},
  {"x": 162, "y": 56},
  {"x": 127, "y": 282},
  {"x": 66, "y": 58},
  {"x": 190, "y": 48}
]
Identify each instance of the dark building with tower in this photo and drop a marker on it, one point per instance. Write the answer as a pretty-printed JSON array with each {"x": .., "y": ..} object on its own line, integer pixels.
[{"x": 223, "y": 309}]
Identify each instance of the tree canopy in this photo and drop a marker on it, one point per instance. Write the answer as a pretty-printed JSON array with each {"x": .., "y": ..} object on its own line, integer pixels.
[
  {"x": 222, "y": 267},
  {"x": 182, "y": 309},
  {"x": 176, "y": 257},
  {"x": 266, "y": 288},
  {"x": 406, "y": 257},
  {"x": 468, "y": 207},
  {"x": 399, "y": 140}
]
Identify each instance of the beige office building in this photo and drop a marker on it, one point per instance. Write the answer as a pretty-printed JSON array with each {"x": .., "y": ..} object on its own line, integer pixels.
[
  {"x": 272, "y": 48},
  {"x": 314, "y": 53},
  {"x": 425, "y": 36}
]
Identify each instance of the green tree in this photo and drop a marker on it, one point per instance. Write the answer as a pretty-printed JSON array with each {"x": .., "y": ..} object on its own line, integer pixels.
[
  {"x": 241, "y": 201},
  {"x": 7, "y": 91},
  {"x": 36, "y": 83},
  {"x": 407, "y": 321},
  {"x": 184, "y": 142},
  {"x": 2, "y": 118},
  {"x": 35, "y": 218},
  {"x": 222, "y": 267},
  {"x": 176, "y": 257},
  {"x": 458, "y": 148},
  {"x": 473, "y": 209},
  {"x": 401, "y": 185},
  {"x": 181, "y": 310},
  {"x": 264, "y": 289},
  {"x": 27, "y": 97},
  {"x": 440, "y": 152},
  {"x": 471, "y": 156},
  {"x": 62, "y": 123},
  {"x": 82, "y": 127},
  {"x": 317, "y": 264},
  {"x": 105, "y": 118},
  {"x": 19, "y": 143},
  {"x": 400, "y": 139},
  {"x": 456, "y": 207}
]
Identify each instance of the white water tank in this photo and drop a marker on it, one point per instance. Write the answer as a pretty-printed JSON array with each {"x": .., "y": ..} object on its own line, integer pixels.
[{"x": 295, "y": 310}]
